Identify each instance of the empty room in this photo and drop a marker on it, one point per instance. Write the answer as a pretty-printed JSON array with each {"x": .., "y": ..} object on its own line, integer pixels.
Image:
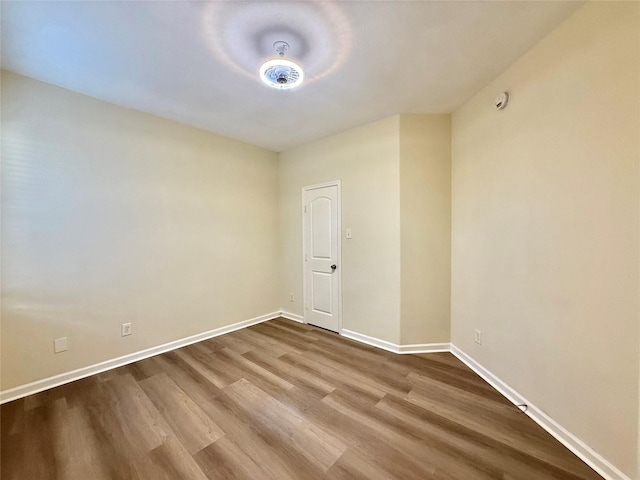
[{"x": 291, "y": 240}]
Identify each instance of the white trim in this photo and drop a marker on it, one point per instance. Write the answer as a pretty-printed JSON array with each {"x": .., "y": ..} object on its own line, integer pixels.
[
  {"x": 317, "y": 186},
  {"x": 424, "y": 348},
  {"x": 292, "y": 316},
  {"x": 596, "y": 461},
  {"x": 57, "y": 380},
  {"x": 392, "y": 347},
  {"x": 508, "y": 392}
]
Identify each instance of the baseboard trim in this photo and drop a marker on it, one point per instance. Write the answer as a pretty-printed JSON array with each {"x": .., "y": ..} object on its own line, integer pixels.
[
  {"x": 46, "y": 383},
  {"x": 424, "y": 348},
  {"x": 596, "y": 461},
  {"x": 573, "y": 443},
  {"x": 392, "y": 347},
  {"x": 292, "y": 316}
]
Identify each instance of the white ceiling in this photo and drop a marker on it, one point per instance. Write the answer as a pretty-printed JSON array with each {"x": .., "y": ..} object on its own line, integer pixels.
[{"x": 197, "y": 62}]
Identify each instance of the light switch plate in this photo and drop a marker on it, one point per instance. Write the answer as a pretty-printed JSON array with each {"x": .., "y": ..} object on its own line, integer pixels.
[{"x": 126, "y": 329}]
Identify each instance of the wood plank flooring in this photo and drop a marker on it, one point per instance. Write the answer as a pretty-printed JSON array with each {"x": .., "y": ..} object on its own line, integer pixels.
[{"x": 279, "y": 400}]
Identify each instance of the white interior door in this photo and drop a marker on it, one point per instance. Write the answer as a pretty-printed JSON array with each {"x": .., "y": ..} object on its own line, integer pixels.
[{"x": 321, "y": 205}]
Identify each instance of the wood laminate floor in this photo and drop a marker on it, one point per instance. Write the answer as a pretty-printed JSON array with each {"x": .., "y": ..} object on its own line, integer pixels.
[{"x": 279, "y": 400}]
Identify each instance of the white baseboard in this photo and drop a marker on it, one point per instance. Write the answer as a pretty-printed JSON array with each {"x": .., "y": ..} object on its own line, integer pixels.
[
  {"x": 424, "y": 348},
  {"x": 596, "y": 461},
  {"x": 292, "y": 316},
  {"x": 392, "y": 347},
  {"x": 573, "y": 443},
  {"x": 67, "y": 377}
]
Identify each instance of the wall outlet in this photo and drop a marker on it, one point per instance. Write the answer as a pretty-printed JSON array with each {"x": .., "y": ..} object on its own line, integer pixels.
[
  {"x": 292, "y": 298},
  {"x": 60, "y": 345},
  {"x": 478, "y": 337},
  {"x": 126, "y": 329}
]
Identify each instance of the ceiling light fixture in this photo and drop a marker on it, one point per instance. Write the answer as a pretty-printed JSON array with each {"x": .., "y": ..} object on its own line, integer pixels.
[{"x": 280, "y": 73}]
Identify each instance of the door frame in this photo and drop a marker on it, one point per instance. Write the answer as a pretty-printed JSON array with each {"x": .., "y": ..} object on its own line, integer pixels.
[{"x": 334, "y": 183}]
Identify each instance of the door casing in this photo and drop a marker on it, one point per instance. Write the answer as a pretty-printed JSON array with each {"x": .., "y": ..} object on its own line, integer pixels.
[{"x": 336, "y": 183}]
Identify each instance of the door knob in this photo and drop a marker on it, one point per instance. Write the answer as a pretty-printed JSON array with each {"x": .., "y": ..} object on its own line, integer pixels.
[{"x": 333, "y": 267}]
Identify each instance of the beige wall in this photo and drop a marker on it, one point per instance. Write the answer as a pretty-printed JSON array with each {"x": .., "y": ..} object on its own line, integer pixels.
[
  {"x": 425, "y": 228},
  {"x": 365, "y": 159},
  {"x": 110, "y": 216},
  {"x": 545, "y": 227},
  {"x": 396, "y": 182}
]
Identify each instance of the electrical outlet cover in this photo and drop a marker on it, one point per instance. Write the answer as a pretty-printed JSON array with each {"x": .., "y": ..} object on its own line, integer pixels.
[{"x": 60, "y": 345}]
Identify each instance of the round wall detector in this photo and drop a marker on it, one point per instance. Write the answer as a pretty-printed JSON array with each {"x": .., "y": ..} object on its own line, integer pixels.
[{"x": 501, "y": 100}]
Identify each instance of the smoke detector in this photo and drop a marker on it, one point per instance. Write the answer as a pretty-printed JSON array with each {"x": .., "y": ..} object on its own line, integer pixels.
[
  {"x": 501, "y": 101},
  {"x": 280, "y": 73}
]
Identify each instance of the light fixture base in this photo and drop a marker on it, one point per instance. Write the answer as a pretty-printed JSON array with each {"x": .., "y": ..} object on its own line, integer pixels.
[{"x": 281, "y": 47}]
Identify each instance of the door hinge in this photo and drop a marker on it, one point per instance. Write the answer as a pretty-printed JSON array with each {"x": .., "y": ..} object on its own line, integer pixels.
[
  {"x": 305, "y": 257},
  {"x": 306, "y": 306},
  {"x": 305, "y": 209}
]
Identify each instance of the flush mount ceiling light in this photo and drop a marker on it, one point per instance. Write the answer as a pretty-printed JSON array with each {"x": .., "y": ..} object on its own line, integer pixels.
[{"x": 280, "y": 73}]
